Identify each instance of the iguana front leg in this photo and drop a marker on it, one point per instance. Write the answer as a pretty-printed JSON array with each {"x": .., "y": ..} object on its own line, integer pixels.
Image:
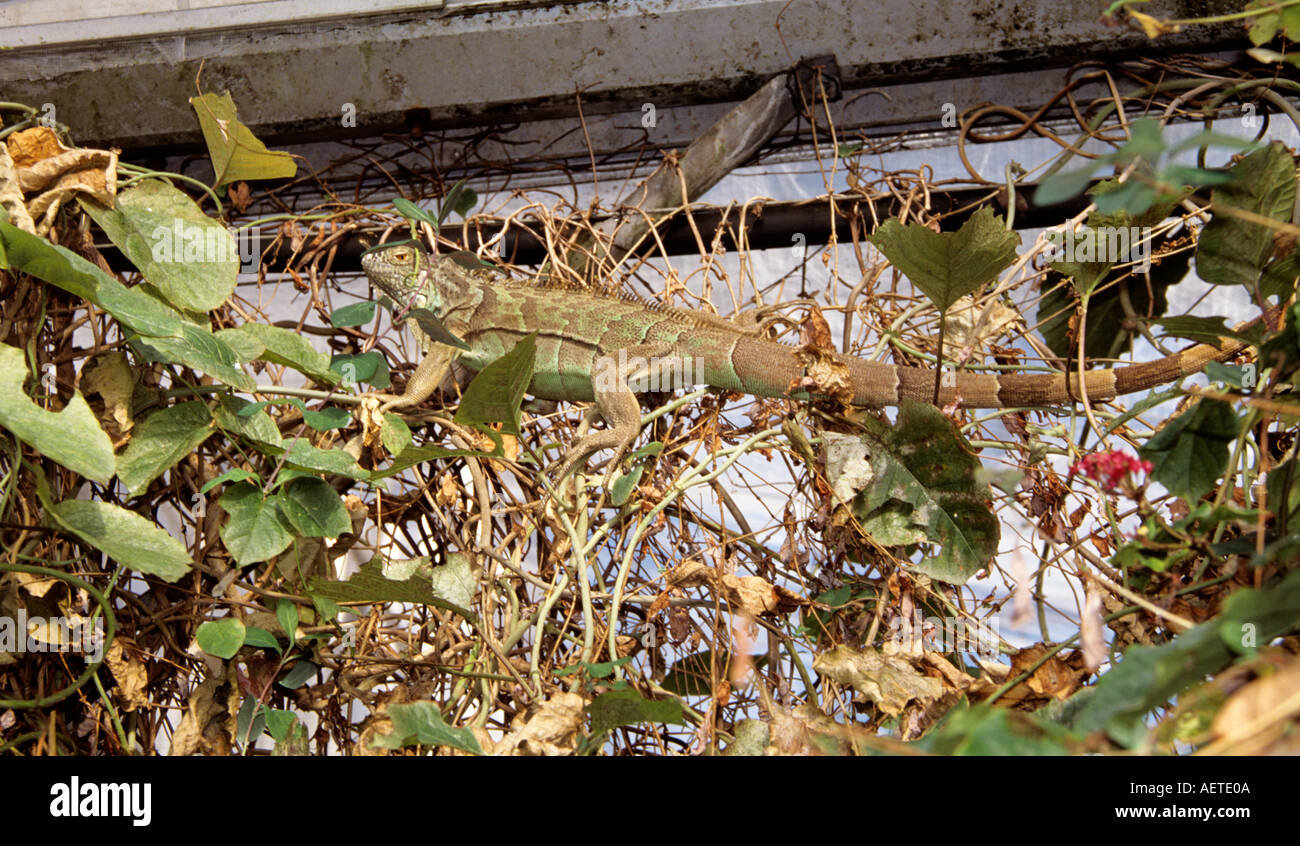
[
  {"x": 429, "y": 375},
  {"x": 617, "y": 402}
]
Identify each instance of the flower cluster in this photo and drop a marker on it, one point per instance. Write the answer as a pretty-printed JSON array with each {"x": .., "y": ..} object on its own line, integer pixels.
[{"x": 1109, "y": 469}]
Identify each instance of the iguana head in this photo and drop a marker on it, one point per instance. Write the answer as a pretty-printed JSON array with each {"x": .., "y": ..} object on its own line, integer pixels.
[{"x": 402, "y": 272}]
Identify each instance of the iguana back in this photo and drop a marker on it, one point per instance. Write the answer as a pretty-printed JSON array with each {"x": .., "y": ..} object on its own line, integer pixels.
[{"x": 576, "y": 329}]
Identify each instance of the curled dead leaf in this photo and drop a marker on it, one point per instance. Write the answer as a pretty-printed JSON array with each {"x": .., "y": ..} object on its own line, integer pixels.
[
  {"x": 110, "y": 376},
  {"x": 209, "y": 722},
  {"x": 752, "y": 595},
  {"x": 130, "y": 673},
  {"x": 888, "y": 681},
  {"x": 1263, "y": 716},
  {"x": 550, "y": 727},
  {"x": 55, "y": 173}
]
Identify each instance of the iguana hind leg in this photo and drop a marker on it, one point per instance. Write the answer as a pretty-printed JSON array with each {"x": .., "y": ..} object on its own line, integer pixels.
[{"x": 646, "y": 366}]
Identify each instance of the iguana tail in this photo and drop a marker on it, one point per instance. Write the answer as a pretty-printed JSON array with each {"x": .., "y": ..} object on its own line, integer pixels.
[
  {"x": 978, "y": 390},
  {"x": 876, "y": 384}
]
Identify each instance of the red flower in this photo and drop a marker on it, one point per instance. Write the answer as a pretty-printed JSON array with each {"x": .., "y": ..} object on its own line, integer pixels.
[{"x": 1109, "y": 469}]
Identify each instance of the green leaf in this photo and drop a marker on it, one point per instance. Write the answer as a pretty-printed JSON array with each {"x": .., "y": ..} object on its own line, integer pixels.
[
  {"x": 190, "y": 258},
  {"x": 323, "y": 420},
  {"x": 327, "y": 418},
  {"x": 1132, "y": 197},
  {"x": 164, "y": 438},
  {"x": 1062, "y": 186},
  {"x": 241, "y": 417},
  {"x": 1262, "y": 28},
  {"x": 625, "y": 484},
  {"x": 303, "y": 456},
  {"x": 836, "y": 597},
  {"x": 1135, "y": 554},
  {"x": 394, "y": 434},
  {"x": 1279, "y": 277},
  {"x": 923, "y": 490},
  {"x": 298, "y": 675},
  {"x": 66, "y": 270},
  {"x": 279, "y": 723},
  {"x": 1176, "y": 174},
  {"x": 355, "y": 314},
  {"x": 326, "y": 609},
  {"x": 72, "y": 437},
  {"x": 198, "y": 348},
  {"x": 1233, "y": 251},
  {"x": 1083, "y": 270},
  {"x": 235, "y": 474},
  {"x": 314, "y": 508},
  {"x": 460, "y": 199},
  {"x": 1228, "y": 374},
  {"x": 245, "y": 347},
  {"x": 454, "y": 580},
  {"x": 250, "y": 722},
  {"x": 284, "y": 347},
  {"x": 262, "y": 639},
  {"x": 652, "y": 448},
  {"x": 369, "y": 584},
  {"x": 421, "y": 723},
  {"x": 286, "y": 613},
  {"x": 1146, "y": 141},
  {"x": 256, "y": 529},
  {"x": 1203, "y": 330},
  {"x": 432, "y": 326},
  {"x": 364, "y": 367},
  {"x": 627, "y": 707},
  {"x": 235, "y": 152},
  {"x": 949, "y": 265},
  {"x": 605, "y": 669},
  {"x": 1190, "y": 453},
  {"x": 221, "y": 638},
  {"x": 122, "y": 535},
  {"x": 1270, "y": 57},
  {"x": 412, "y": 212},
  {"x": 495, "y": 394},
  {"x": 1291, "y": 22},
  {"x": 984, "y": 730},
  {"x": 1143, "y": 220}
]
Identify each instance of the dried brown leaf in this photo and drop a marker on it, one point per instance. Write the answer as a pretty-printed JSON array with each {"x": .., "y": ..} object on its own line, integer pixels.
[{"x": 888, "y": 681}]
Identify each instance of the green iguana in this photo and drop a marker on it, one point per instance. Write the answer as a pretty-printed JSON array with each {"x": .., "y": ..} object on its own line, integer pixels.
[{"x": 590, "y": 346}]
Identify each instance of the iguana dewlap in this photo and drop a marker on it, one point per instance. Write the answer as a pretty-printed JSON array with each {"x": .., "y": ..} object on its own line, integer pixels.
[{"x": 589, "y": 346}]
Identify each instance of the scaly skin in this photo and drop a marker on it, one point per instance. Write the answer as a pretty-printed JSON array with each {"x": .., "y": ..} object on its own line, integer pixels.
[{"x": 590, "y": 345}]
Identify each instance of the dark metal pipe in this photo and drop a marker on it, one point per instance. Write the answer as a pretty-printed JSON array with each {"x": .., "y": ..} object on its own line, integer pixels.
[{"x": 775, "y": 226}]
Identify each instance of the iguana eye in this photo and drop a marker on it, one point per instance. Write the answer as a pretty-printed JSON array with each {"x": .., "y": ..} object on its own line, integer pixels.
[{"x": 402, "y": 255}]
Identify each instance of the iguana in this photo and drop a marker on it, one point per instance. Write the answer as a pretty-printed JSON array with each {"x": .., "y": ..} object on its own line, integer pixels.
[{"x": 590, "y": 345}]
